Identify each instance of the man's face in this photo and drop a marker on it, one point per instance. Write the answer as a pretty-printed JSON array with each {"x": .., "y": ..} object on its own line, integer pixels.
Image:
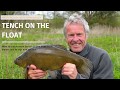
[{"x": 76, "y": 37}]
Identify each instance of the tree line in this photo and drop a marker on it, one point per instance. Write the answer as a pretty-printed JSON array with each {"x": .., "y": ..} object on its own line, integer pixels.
[{"x": 109, "y": 18}]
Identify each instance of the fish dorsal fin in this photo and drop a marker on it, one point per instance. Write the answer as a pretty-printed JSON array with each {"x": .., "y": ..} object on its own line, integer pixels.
[{"x": 60, "y": 46}]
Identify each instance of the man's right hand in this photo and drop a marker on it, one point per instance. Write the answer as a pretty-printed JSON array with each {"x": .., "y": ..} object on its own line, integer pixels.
[{"x": 34, "y": 73}]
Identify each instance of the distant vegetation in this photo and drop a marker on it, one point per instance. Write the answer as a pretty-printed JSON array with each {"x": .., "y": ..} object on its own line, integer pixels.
[{"x": 109, "y": 18}]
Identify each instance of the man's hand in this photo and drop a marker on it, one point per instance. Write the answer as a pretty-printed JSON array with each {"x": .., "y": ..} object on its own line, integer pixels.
[
  {"x": 70, "y": 70},
  {"x": 34, "y": 73}
]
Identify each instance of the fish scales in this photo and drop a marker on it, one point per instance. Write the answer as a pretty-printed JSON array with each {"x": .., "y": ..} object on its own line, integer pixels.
[{"x": 53, "y": 57}]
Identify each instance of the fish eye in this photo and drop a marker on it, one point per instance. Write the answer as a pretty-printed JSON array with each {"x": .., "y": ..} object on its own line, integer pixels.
[{"x": 18, "y": 58}]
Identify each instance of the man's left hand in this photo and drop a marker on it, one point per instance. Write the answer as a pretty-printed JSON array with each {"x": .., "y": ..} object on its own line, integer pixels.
[{"x": 70, "y": 70}]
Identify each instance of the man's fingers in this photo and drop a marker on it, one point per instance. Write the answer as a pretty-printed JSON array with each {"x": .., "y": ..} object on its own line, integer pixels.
[{"x": 32, "y": 67}]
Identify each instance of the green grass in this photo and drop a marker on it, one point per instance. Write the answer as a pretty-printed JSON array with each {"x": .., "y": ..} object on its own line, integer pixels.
[{"x": 9, "y": 70}]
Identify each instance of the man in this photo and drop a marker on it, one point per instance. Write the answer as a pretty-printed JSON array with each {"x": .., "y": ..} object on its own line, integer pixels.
[{"x": 76, "y": 31}]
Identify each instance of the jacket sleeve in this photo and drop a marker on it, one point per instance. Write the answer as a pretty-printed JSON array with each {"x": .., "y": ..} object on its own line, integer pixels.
[
  {"x": 57, "y": 75},
  {"x": 104, "y": 69},
  {"x": 81, "y": 76}
]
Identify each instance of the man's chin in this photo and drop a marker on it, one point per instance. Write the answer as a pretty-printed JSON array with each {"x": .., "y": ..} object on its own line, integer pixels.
[{"x": 76, "y": 50}]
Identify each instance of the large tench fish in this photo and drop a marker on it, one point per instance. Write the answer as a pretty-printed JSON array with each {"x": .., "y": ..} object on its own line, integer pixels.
[{"x": 53, "y": 57}]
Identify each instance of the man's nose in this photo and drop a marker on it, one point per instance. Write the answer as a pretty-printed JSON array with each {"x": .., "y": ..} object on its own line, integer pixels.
[{"x": 75, "y": 38}]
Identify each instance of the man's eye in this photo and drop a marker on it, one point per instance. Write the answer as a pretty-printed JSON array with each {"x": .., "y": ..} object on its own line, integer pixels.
[
  {"x": 71, "y": 35},
  {"x": 79, "y": 34}
]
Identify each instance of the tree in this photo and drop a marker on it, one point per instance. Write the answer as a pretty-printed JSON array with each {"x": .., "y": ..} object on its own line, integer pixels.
[{"x": 100, "y": 17}]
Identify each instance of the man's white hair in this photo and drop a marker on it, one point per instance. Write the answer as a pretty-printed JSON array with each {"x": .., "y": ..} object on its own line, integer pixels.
[{"x": 76, "y": 18}]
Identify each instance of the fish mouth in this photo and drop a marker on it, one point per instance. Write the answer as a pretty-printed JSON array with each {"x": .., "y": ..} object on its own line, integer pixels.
[
  {"x": 15, "y": 61},
  {"x": 18, "y": 62}
]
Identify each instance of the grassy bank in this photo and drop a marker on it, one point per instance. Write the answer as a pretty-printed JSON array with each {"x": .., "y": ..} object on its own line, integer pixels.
[{"x": 103, "y": 37}]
